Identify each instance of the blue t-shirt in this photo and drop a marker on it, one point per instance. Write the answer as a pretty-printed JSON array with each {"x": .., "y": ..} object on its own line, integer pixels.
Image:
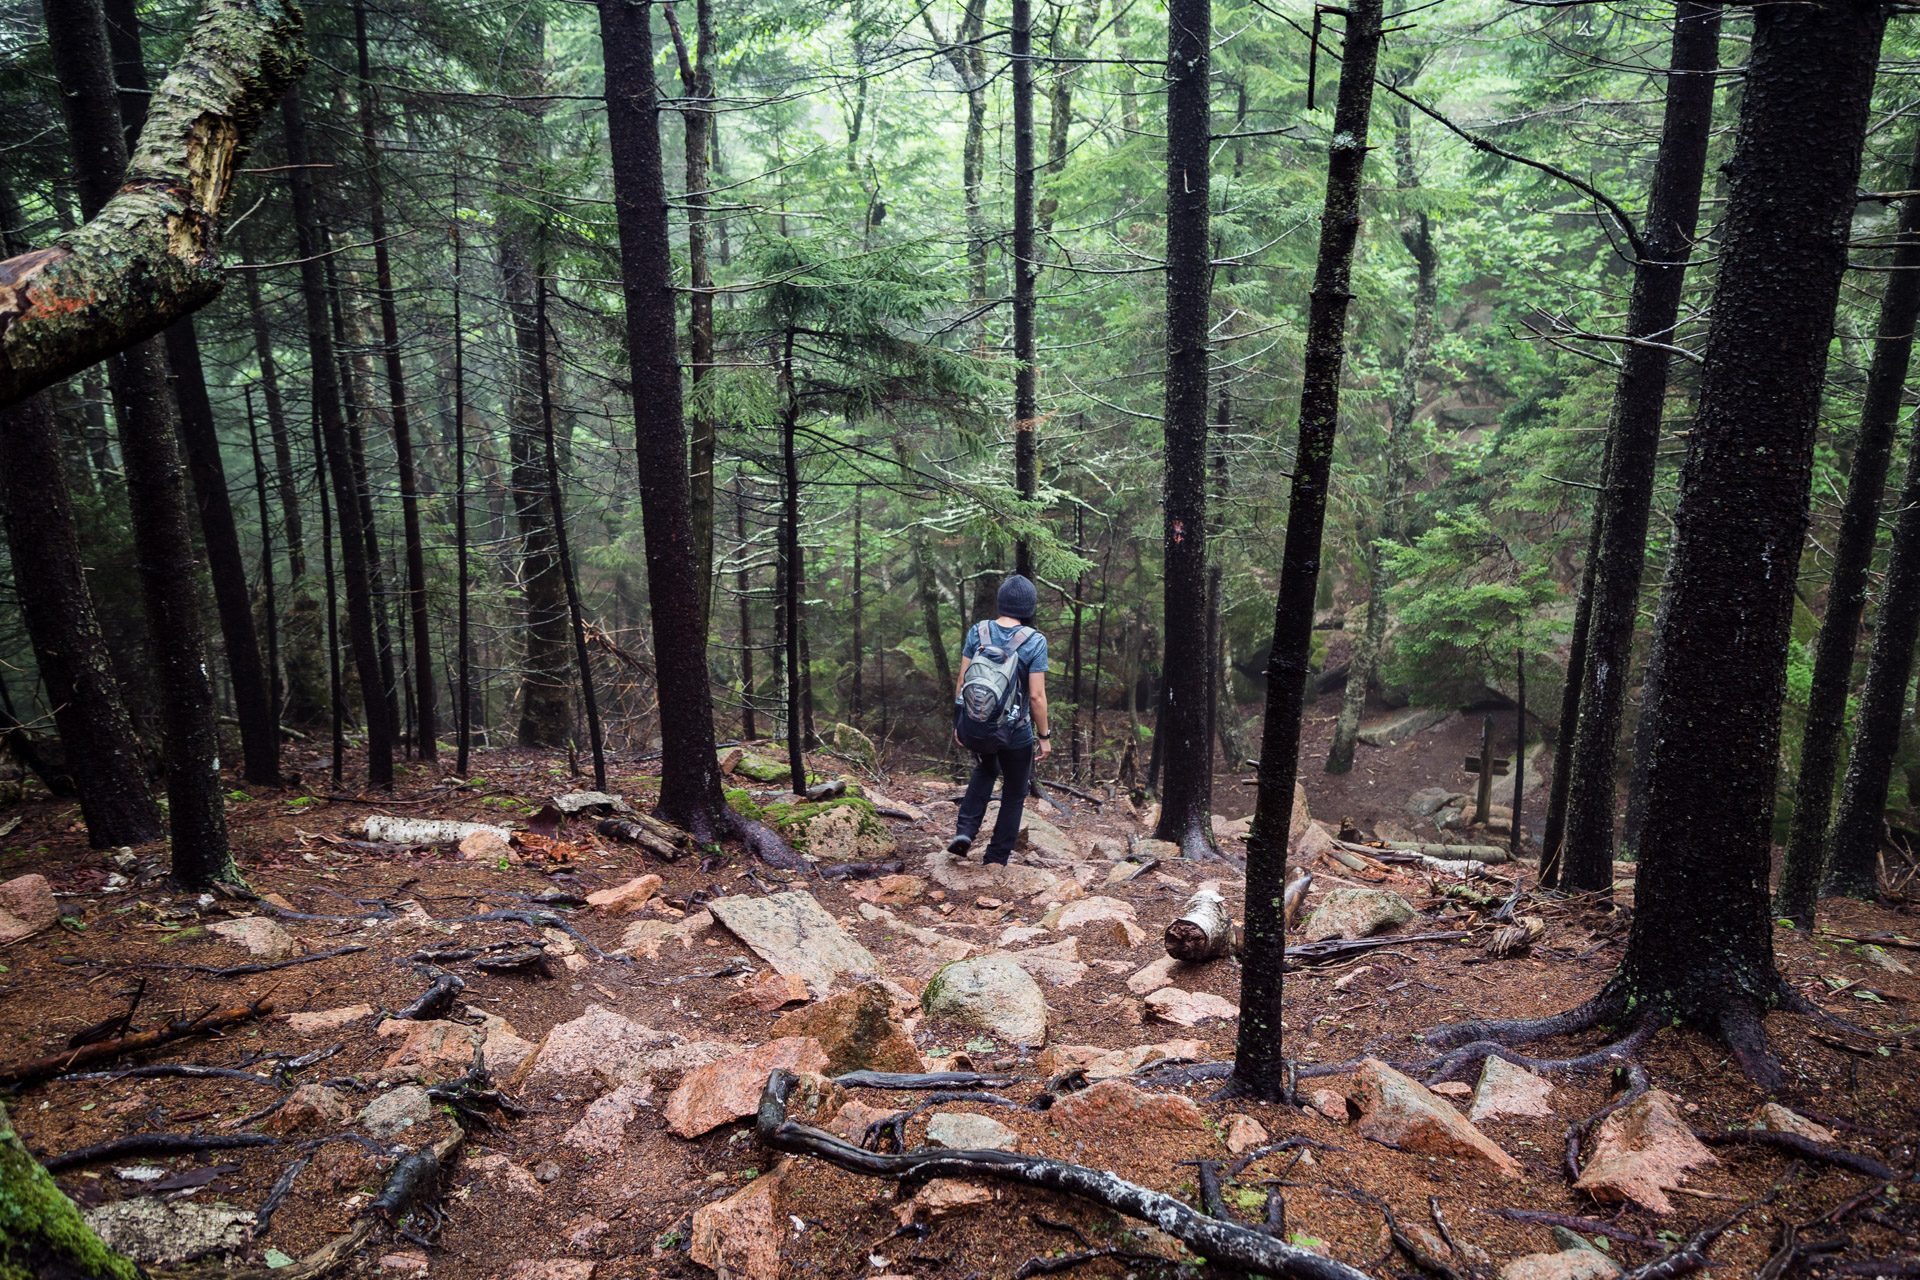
[{"x": 1033, "y": 657}]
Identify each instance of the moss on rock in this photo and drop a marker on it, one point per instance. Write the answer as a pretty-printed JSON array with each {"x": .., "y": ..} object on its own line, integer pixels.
[{"x": 41, "y": 1231}]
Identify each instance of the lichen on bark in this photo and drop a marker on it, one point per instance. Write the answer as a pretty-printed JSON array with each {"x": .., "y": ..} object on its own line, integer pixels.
[{"x": 41, "y": 1231}]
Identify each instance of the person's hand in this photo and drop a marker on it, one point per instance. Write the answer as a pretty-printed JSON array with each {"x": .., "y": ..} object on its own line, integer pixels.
[
  {"x": 1046, "y": 749},
  {"x": 957, "y": 742}
]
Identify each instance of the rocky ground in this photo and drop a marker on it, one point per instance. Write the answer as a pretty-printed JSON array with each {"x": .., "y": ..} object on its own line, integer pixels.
[{"x": 631, "y": 1042}]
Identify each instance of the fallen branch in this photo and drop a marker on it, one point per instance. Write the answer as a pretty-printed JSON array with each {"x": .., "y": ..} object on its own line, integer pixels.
[
  {"x": 155, "y": 1144},
  {"x": 1337, "y": 948},
  {"x": 1585, "y": 1226},
  {"x": 213, "y": 971},
  {"x": 55, "y": 1063},
  {"x": 1800, "y": 1146},
  {"x": 1219, "y": 1242},
  {"x": 1044, "y": 1266},
  {"x": 263, "y": 1216},
  {"x": 632, "y": 832},
  {"x": 1075, "y": 792},
  {"x": 180, "y": 1069},
  {"x": 922, "y": 1080}
]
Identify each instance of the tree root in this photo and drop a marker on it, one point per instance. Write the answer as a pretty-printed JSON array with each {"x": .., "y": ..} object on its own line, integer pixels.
[
  {"x": 1800, "y": 1146},
  {"x": 1585, "y": 1226},
  {"x": 922, "y": 1080},
  {"x": 212, "y": 1020},
  {"x": 237, "y": 970},
  {"x": 155, "y": 1144},
  {"x": 1456, "y": 1062},
  {"x": 764, "y": 843},
  {"x": 895, "y": 1125},
  {"x": 1219, "y": 1242},
  {"x": 1510, "y": 1031},
  {"x": 1692, "y": 1256},
  {"x": 1044, "y": 1266}
]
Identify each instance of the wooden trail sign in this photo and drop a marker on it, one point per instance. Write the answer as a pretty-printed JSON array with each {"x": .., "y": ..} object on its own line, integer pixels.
[{"x": 1488, "y": 768}]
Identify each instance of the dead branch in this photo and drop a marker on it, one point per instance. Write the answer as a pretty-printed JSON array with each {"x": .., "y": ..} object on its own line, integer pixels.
[
  {"x": 213, "y": 971},
  {"x": 54, "y": 1063},
  {"x": 1219, "y": 1242},
  {"x": 922, "y": 1080},
  {"x": 861, "y": 870},
  {"x": 1044, "y": 1266}
]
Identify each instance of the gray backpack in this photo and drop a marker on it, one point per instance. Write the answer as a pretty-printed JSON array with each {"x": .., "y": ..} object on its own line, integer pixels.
[{"x": 990, "y": 707}]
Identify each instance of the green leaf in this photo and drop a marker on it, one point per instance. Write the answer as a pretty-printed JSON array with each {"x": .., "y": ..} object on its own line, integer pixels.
[{"x": 276, "y": 1259}]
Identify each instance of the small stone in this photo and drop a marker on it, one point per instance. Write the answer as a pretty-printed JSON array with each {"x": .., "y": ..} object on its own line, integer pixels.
[
  {"x": 497, "y": 1169},
  {"x": 728, "y": 1090},
  {"x": 1569, "y": 1264},
  {"x": 853, "y": 1118},
  {"x": 1059, "y": 894},
  {"x": 259, "y": 935},
  {"x": 894, "y": 890},
  {"x": 487, "y": 846},
  {"x": 1356, "y": 913},
  {"x": 1403, "y": 1113},
  {"x": 965, "y": 1131},
  {"x": 1125, "y": 933},
  {"x": 630, "y": 896},
  {"x": 1101, "y": 1063},
  {"x": 741, "y": 1235},
  {"x": 1772, "y": 1115},
  {"x": 942, "y": 1198},
  {"x": 393, "y": 1113},
  {"x": 1507, "y": 1090},
  {"x": 1453, "y": 1089},
  {"x": 1330, "y": 1103},
  {"x": 858, "y": 1031},
  {"x": 1642, "y": 1150},
  {"x": 770, "y": 991},
  {"x": 583, "y": 1233},
  {"x": 993, "y": 993},
  {"x": 597, "y": 1042},
  {"x": 1244, "y": 1133},
  {"x": 1021, "y": 933},
  {"x": 1189, "y": 1008},
  {"x": 988, "y": 904},
  {"x": 311, "y": 1106},
  {"x": 1057, "y": 965},
  {"x": 1117, "y": 1105},
  {"x": 604, "y": 1126},
  {"x": 547, "y": 1171},
  {"x": 324, "y": 1020},
  {"x": 1088, "y": 911},
  {"x": 552, "y": 1269},
  {"x": 29, "y": 899}
]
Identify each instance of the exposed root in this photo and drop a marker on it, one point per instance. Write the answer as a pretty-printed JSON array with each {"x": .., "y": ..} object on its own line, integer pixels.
[
  {"x": 1585, "y": 1226},
  {"x": 895, "y": 1125},
  {"x": 1739, "y": 1027},
  {"x": 1457, "y": 1062},
  {"x": 1603, "y": 1008},
  {"x": 1225, "y": 1243},
  {"x": 1800, "y": 1146},
  {"x": 922, "y": 1080},
  {"x": 764, "y": 843},
  {"x": 1692, "y": 1256},
  {"x": 1046, "y": 1266},
  {"x": 1637, "y": 1086}
]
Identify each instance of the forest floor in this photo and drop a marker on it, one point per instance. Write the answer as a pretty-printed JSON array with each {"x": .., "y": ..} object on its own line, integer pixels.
[{"x": 562, "y": 1193}]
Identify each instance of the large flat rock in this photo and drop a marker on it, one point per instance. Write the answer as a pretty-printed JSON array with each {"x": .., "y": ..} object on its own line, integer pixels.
[{"x": 793, "y": 933}]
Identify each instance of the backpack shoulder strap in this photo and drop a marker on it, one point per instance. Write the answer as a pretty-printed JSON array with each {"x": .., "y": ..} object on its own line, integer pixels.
[
  {"x": 985, "y": 631},
  {"x": 1020, "y": 638}
]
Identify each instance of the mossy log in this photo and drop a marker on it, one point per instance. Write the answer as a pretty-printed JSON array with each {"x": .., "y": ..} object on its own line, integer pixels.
[
  {"x": 41, "y": 1231},
  {"x": 151, "y": 256}
]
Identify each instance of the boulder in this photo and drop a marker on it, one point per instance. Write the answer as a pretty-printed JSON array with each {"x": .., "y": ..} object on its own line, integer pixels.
[
  {"x": 1428, "y": 801},
  {"x": 1101, "y": 1063},
  {"x": 740, "y": 1237},
  {"x": 500, "y": 1171},
  {"x": 752, "y": 764},
  {"x": 1772, "y": 1115},
  {"x": 1568, "y": 1264},
  {"x": 857, "y": 1030},
  {"x": 854, "y": 746},
  {"x": 1086, "y": 911},
  {"x": 913, "y": 813},
  {"x": 1507, "y": 1090},
  {"x": 631, "y": 896},
  {"x": 29, "y": 900},
  {"x": 396, "y": 1111},
  {"x": 1642, "y": 1150},
  {"x": 894, "y": 890},
  {"x": 1244, "y": 1133},
  {"x": 676, "y": 1059},
  {"x": 1407, "y": 723},
  {"x": 1117, "y": 1106},
  {"x": 936, "y": 948},
  {"x": 961, "y": 875},
  {"x": 794, "y": 934},
  {"x": 770, "y": 991},
  {"x": 1042, "y": 837},
  {"x": 598, "y": 1042},
  {"x": 1058, "y": 894},
  {"x": 1316, "y": 839},
  {"x": 600, "y": 803},
  {"x": 311, "y": 1106},
  {"x": 851, "y": 1121},
  {"x": 321, "y": 1021},
  {"x": 728, "y": 1090},
  {"x": 646, "y": 936},
  {"x": 1330, "y": 1103},
  {"x": 440, "y": 1049},
  {"x": 1301, "y": 815},
  {"x": 1189, "y": 1008},
  {"x": 1235, "y": 830},
  {"x": 1356, "y": 913},
  {"x": 1017, "y": 934},
  {"x": 604, "y": 1126},
  {"x": 258, "y": 935},
  {"x": 993, "y": 993},
  {"x": 151, "y": 1230},
  {"x": 1403, "y": 1113},
  {"x": 965, "y": 1131}
]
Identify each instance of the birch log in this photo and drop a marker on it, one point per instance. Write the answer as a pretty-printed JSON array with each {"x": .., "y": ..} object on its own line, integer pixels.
[{"x": 1204, "y": 930}]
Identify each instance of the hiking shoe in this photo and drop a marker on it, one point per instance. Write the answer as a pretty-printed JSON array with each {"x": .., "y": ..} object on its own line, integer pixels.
[{"x": 959, "y": 845}]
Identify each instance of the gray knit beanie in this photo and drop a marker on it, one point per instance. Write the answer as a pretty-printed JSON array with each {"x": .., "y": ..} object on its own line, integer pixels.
[{"x": 1017, "y": 598}]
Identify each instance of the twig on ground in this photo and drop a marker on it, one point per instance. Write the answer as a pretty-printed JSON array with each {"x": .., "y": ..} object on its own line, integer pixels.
[
  {"x": 213, "y": 971},
  {"x": 180, "y": 1069},
  {"x": 213, "y": 1020},
  {"x": 923, "y": 1080},
  {"x": 263, "y": 1216},
  {"x": 1692, "y": 1256},
  {"x": 1585, "y": 1226},
  {"x": 1066, "y": 1261}
]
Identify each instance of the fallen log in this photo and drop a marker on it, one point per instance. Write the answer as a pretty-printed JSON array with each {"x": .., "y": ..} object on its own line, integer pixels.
[
  {"x": 52, "y": 1064},
  {"x": 1228, "y": 1243},
  {"x": 381, "y": 829},
  {"x": 1489, "y": 853},
  {"x": 633, "y": 832},
  {"x": 1204, "y": 930}
]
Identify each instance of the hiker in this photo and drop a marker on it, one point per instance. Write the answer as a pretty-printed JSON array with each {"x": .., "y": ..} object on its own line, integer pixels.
[{"x": 1000, "y": 714}]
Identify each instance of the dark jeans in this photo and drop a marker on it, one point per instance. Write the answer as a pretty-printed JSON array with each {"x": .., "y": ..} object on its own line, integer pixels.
[{"x": 1016, "y": 767}]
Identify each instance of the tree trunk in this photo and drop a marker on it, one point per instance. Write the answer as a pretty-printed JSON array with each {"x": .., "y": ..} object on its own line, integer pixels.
[
  {"x": 292, "y": 532},
  {"x": 424, "y": 697},
  {"x": 742, "y": 585},
  {"x": 690, "y": 786},
  {"x": 463, "y": 668},
  {"x": 696, "y": 80},
  {"x": 546, "y": 699},
  {"x": 790, "y": 576},
  {"x": 153, "y": 258},
  {"x": 1847, "y": 588},
  {"x": 1026, "y": 404},
  {"x": 1259, "y": 1069},
  {"x": 1183, "y": 731},
  {"x": 252, "y": 692},
  {"x": 1701, "y": 947},
  {"x": 858, "y": 605},
  {"x": 102, "y": 752},
  {"x": 968, "y": 56},
  {"x": 1416, "y": 233},
  {"x": 270, "y": 605},
  {"x": 336, "y": 703},
  {"x": 44, "y": 1234},
  {"x": 1673, "y": 210},
  {"x": 324, "y": 372},
  {"x": 923, "y": 580}
]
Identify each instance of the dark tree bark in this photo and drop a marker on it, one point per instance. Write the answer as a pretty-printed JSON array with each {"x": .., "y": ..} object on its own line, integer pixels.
[
  {"x": 1847, "y": 587},
  {"x": 1026, "y": 269},
  {"x": 424, "y": 697},
  {"x": 1183, "y": 729},
  {"x": 582, "y": 661},
  {"x": 742, "y": 585},
  {"x": 269, "y": 604},
  {"x": 1416, "y": 233},
  {"x": 690, "y": 787},
  {"x": 253, "y": 703},
  {"x": 858, "y": 605},
  {"x": 546, "y": 699},
  {"x": 124, "y": 278},
  {"x": 1853, "y": 846},
  {"x": 325, "y": 375},
  {"x": 336, "y": 705},
  {"x": 1259, "y": 1068},
  {"x": 102, "y": 752},
  {"x": 292, "y": 531},
  {"x": 923, "y": 581},
  {"x": 128, "y": 49},
  {"x": 1700, "y": 951},
  {"x": 696, "y": 81},
  {"x": 463, "y": 668},
  {"x": 792, "y": 572},
  {"x": 1673, "y": 211}
]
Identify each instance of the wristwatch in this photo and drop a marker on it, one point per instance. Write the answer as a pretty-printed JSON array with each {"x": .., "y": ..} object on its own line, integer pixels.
[{"x": 1043, "y": 735}]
